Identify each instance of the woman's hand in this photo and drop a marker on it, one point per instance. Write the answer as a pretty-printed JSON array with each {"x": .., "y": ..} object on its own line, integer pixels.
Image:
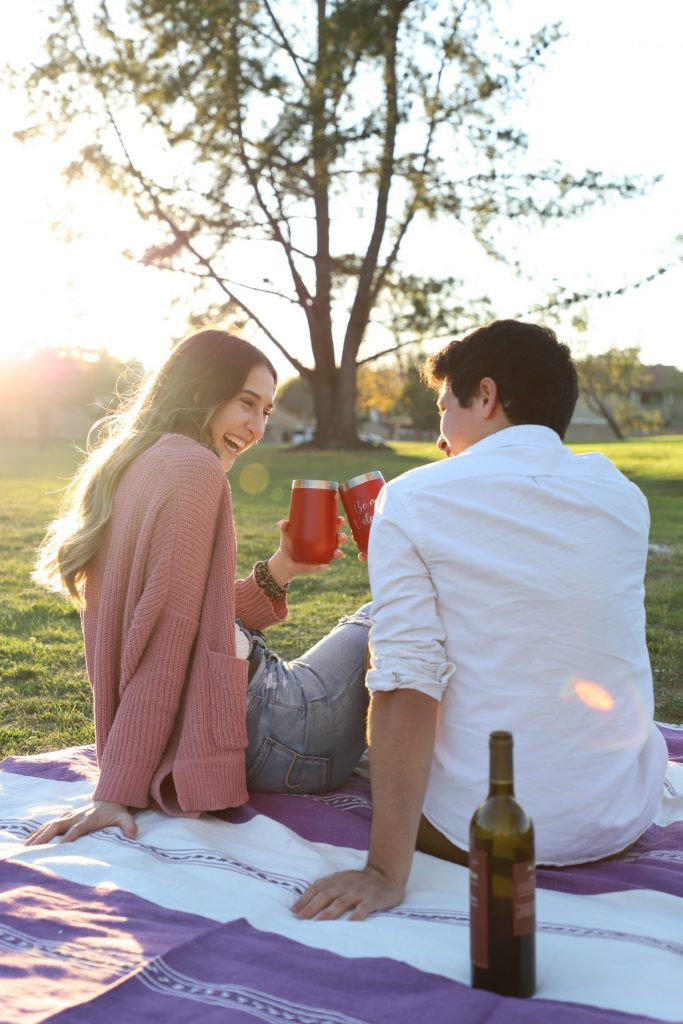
[
  {"x": 98, "y": 814},
  {"x": 282, "y": 566}
]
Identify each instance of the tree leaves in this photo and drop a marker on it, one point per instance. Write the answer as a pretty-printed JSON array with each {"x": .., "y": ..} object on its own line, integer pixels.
[
  {"x": 264, "y": 120},
  {"x": 610, "y": 383}
]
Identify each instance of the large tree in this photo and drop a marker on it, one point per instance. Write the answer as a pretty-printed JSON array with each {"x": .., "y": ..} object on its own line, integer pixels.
[
  {"x": 610, "y": 383},
  {"x": 325, "y": 131}
]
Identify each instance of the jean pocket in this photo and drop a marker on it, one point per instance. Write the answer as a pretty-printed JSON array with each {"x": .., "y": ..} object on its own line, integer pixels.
[{"x": 277, "y": 769}]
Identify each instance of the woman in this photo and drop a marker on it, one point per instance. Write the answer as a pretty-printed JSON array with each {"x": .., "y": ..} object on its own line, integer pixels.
[{"x": 191, "y": 707}]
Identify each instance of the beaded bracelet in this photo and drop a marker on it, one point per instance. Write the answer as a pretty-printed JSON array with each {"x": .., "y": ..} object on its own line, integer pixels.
[{"x": 264, "y": 580}]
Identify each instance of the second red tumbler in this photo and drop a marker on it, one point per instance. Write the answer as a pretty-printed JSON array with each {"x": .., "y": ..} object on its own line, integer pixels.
[{"x": 358, "y": 498}]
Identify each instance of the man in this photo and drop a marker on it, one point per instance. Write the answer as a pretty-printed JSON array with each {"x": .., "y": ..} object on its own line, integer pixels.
[{"x": 507, "y": 585}]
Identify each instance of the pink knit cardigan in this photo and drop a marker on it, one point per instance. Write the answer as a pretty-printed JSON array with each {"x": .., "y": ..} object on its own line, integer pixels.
[{"x": 158, "y": 625}]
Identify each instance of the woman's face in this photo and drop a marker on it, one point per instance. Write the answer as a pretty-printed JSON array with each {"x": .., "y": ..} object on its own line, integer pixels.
[{"x": 241, "y": 421}]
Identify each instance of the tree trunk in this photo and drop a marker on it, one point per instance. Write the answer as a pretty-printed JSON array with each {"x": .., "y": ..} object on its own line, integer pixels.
[
  {"x": 335, "y": 409},
  {"x": 597, "y": 405}
]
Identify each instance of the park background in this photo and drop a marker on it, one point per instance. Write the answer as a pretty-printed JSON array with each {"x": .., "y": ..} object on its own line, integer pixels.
[{"x": 90, "y": 298}]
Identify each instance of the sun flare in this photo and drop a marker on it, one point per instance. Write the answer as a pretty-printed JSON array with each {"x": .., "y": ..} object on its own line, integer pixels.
[{"x": 594, "y": 695}]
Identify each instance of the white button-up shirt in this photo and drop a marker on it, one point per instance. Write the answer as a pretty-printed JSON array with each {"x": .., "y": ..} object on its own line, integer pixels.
[{"x": 507, "y": 583}]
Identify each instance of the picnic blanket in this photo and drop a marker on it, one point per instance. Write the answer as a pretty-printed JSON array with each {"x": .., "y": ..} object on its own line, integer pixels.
[{"x": 192, "y": 920}]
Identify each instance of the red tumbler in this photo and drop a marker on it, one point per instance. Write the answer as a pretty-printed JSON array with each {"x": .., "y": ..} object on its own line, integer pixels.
[
  {"x": 358, "y": 497},
  {"x": 313, "y": 530}
]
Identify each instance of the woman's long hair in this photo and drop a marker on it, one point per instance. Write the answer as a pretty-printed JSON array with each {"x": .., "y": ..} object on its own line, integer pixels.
[{"x": 201, "y": 373}]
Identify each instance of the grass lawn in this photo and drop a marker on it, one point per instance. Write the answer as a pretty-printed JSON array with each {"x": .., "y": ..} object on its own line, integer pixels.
[{"x": 45, "y": 698}]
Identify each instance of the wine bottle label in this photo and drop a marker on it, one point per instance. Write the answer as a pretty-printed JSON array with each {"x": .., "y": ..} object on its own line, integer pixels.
[
  {"x": 524, "y": 898},
  {"x": 479, "y": 910}
]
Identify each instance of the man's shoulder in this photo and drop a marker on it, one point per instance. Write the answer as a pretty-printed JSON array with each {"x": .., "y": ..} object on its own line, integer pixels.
[
  {"x": 514, "y": 455},
  {"x": 417, "y": 478},
  {"x": 595, "y": 466},
  {"x": 471, "y": 462}
]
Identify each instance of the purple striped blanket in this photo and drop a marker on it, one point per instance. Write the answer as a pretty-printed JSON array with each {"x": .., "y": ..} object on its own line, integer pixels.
[{"x": 192, "y": 922}]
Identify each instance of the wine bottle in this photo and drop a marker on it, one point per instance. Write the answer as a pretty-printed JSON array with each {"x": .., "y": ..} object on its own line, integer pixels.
[{"x": 502, "y": 884}]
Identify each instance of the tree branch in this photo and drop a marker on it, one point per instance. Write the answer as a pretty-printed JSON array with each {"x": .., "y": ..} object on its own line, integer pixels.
[
  {"x": 394, "y": 348},
  {"x": 299, "y": 285},
  {"x": 412, "y": 206},
  {"x": 321, "y": 314},
  {"x": 572, "y": 299},
  {"x": 596, "y": 404},
  {"x": 285, "y": 42},
  {"x": 205, "y": 277},
  {"x": 362, "y": 301},
  {"x": 181, "y": 236}
]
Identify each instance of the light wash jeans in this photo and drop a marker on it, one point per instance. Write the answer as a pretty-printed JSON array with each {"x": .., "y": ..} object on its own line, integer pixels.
[{"x": 306, "y": 718}]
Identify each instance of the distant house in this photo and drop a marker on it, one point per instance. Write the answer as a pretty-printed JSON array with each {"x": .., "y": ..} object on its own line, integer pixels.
[
  {"x": 587, "y": 425},
  {"x": 44, "y": 423},
  {"x": 663, "y": 393},
  {"x": 282, "y": 425}
]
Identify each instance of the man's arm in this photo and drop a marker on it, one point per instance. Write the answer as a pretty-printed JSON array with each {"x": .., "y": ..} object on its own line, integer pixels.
[
  {"x": 402, "y": 731},
  {"x": 408, "y": 676}
]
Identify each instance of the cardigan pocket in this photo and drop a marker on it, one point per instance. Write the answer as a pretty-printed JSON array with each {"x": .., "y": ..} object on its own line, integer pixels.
[{"x": 225, "y": 692}]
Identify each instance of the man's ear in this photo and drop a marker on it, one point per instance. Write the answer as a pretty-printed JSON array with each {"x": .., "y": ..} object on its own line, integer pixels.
[{"x": 488, "y": 393}]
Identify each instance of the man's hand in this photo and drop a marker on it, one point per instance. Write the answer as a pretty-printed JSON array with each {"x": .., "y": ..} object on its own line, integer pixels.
[
  {"x": 362, "y": 892},
  {"x": 401, "y": 732},
  {"x": 98, "y": 814}
]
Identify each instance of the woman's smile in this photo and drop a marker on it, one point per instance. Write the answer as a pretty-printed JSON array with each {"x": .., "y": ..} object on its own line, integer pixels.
[{"x": 241, "y": 421}]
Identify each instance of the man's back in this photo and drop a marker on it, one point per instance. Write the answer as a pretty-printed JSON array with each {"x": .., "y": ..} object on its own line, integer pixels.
[{"x": 511, "y": 579}]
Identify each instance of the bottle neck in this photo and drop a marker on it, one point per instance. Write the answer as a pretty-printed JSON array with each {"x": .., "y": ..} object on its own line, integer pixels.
[{"x": 500, "y": 765}]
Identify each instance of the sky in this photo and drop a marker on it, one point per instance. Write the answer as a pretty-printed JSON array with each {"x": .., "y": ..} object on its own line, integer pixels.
[{"x": 609, "y": 99}]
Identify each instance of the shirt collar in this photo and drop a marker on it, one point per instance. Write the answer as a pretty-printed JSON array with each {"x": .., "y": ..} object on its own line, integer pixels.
[{"x": 530, "y": 435}]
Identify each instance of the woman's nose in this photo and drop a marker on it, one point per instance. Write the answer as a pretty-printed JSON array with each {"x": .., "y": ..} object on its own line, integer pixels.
[{"x": 258, "y": 424}]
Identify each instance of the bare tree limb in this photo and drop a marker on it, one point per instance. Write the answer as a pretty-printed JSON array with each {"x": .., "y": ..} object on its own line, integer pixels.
[
  {"x": 299, "y": 284},
  {"x": 572, "y": 299},
  {"x": 395, "y": 348},
  {"x": 181, "y": 236},
  {"x": 362, "y": 301},
  {"x": 285, "y": 42},
  {"x": 412, "y": 206},
  {"x": 188, "y": 272}
]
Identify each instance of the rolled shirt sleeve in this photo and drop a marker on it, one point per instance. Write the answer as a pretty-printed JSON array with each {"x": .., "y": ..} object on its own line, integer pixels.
[{"x": 407, "y": 639}]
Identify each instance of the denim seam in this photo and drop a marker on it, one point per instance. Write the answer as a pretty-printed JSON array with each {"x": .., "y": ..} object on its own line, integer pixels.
[{"x": 276, "y": 703}]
